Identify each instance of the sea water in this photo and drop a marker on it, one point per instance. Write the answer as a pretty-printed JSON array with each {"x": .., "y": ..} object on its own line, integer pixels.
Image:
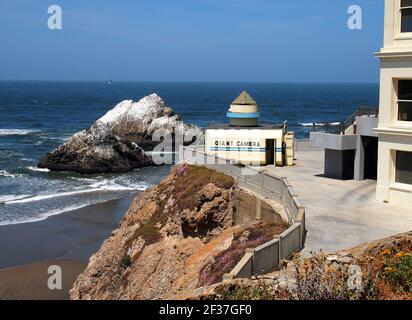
[{"x": 35, "y": 117}]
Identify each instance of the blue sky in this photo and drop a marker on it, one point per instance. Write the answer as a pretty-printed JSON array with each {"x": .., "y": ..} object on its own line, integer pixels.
[{"x": 191, "y": 40}]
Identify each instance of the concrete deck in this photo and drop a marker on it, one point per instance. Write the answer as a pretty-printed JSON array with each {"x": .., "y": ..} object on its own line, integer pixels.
[{"x": 340, "y": 214}]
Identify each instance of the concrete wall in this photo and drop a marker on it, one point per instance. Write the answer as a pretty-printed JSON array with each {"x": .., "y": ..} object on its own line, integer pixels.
[
  {"x": 268, "y": 257},
  {"x": 250, "y": 207},
  {"x": 333, "y": 141},
  {"x": 345, "y": 154},
  {"x": 340, "y": 164},
  {"x": 365, "y": 126}
]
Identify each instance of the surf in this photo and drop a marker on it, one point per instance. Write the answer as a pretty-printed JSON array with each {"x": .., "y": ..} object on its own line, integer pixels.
[{"x": 16, "y": 132}]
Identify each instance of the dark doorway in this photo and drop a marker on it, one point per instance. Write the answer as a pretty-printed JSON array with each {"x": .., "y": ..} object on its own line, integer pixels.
[
  {"x": 339, "y": 164},
  {"x": 270, "y": 151},
  {"x": 370, "y": 145}
]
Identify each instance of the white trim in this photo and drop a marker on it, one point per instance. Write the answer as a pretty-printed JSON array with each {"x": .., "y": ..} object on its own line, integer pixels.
[
  {"x": 398, "y": 23},
  {"x": 394, "y": 54},
  {"x": 394, "y": 130},
  {"x": 401, "y": 187}
]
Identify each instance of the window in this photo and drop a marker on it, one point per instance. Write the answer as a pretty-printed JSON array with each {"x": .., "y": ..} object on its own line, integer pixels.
[
  {"x": 406, "y": 15},
  {"x": 403, "y": 167},
  {"x": 405, "y": 100}
]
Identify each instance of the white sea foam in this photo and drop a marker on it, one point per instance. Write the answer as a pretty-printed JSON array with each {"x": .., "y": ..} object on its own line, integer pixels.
[
  {"x": 82, "y": 179},
  {"x": 310, "y": 124},
  {"x": 7, "y": 198},
  {"x": 109, "y": 185},
  {"x": 44, "y": 216},
  {"x": 4, "y": 173},
  {"x": 38, "y": 169},
  {"x": 16, "y": 132},
  {"x": 104, "y": 185}
]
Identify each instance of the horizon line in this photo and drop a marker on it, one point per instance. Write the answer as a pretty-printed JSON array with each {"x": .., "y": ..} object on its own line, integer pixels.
[{"x": 192, "y": 81}]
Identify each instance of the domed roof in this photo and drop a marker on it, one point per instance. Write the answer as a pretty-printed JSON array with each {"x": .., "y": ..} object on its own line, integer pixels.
[{"x": 244, "y": 99}]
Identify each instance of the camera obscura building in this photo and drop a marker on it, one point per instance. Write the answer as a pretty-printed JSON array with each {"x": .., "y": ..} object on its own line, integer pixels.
[{"x": 245, "y": 141}]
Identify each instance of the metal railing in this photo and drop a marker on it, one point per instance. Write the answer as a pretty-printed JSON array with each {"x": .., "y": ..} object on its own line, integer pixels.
[
  {"x": 341, "y": 127},
  {"x": 358, "y": 113}
]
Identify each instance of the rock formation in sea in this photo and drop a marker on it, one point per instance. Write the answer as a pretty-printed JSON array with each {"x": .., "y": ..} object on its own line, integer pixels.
[
  {"x": 114, "y": 142},
  {"x": 176, "y": 237}
]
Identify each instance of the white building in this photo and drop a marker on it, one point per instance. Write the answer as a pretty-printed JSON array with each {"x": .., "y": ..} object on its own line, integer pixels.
[
  {"x": 245, "y": 141},
  {"x": 395, "y": 119}
]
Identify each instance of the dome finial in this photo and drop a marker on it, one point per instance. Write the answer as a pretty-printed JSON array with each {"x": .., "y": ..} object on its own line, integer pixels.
[
  {"x": 244, "y": 111},
  {"x": 244, "y": 99}
]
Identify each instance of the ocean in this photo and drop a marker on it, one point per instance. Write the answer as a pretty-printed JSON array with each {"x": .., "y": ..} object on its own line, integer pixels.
[{"x": 35, "y": 117}]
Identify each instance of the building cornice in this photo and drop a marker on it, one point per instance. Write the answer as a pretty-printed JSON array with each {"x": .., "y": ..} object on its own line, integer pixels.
[
  {"x": 394, "y": 54},
  {"x": 394, "y": 131}
]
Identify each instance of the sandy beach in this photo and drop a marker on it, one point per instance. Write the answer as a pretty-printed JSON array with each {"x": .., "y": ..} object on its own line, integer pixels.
[{"x": 67, "y": 240}]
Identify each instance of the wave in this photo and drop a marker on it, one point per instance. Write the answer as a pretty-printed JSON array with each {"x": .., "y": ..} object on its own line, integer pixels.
[
  {"x": 7, "y": 198},
  {"x": 21, "y": 199},
  {"x": 37, "y": 169},
  {"x": 318, "y": 124},
  {"x": 16, "y": 132},
  {"x": 97, "y": 187},
  {"x": 4, "y": 173},
  {"x": 44, "y": 216}
]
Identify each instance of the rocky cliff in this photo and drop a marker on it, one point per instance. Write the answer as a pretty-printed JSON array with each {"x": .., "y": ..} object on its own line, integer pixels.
[
  {"x": 176, "y": 237},
  {"x": 114, "y": 142}
]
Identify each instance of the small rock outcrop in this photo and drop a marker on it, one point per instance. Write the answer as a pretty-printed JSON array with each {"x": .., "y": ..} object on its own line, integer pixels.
[
  {"x": 96, "y": 151},
  {"x": 114, "y": 142}
]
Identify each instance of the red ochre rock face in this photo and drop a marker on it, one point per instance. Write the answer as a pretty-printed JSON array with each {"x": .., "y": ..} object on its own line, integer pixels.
[{"x": 176, "y": 236}]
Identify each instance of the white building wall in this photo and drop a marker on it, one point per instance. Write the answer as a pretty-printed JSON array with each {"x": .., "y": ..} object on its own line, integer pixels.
[
  {"x": 256, "y": 136},
  {"x": 394, "y": 135},
  {"x": 394, "y": 40}
]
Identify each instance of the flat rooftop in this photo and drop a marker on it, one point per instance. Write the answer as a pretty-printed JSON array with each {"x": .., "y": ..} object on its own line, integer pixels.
[
  {"x": 339, "y": 214},
  {"x": 258, "y": 127}
]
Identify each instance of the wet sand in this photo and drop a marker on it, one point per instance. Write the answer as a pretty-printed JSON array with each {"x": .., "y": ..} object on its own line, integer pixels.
[
  {"x": 67, "y": 240},
  {"x": 29, "y": 282}
]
